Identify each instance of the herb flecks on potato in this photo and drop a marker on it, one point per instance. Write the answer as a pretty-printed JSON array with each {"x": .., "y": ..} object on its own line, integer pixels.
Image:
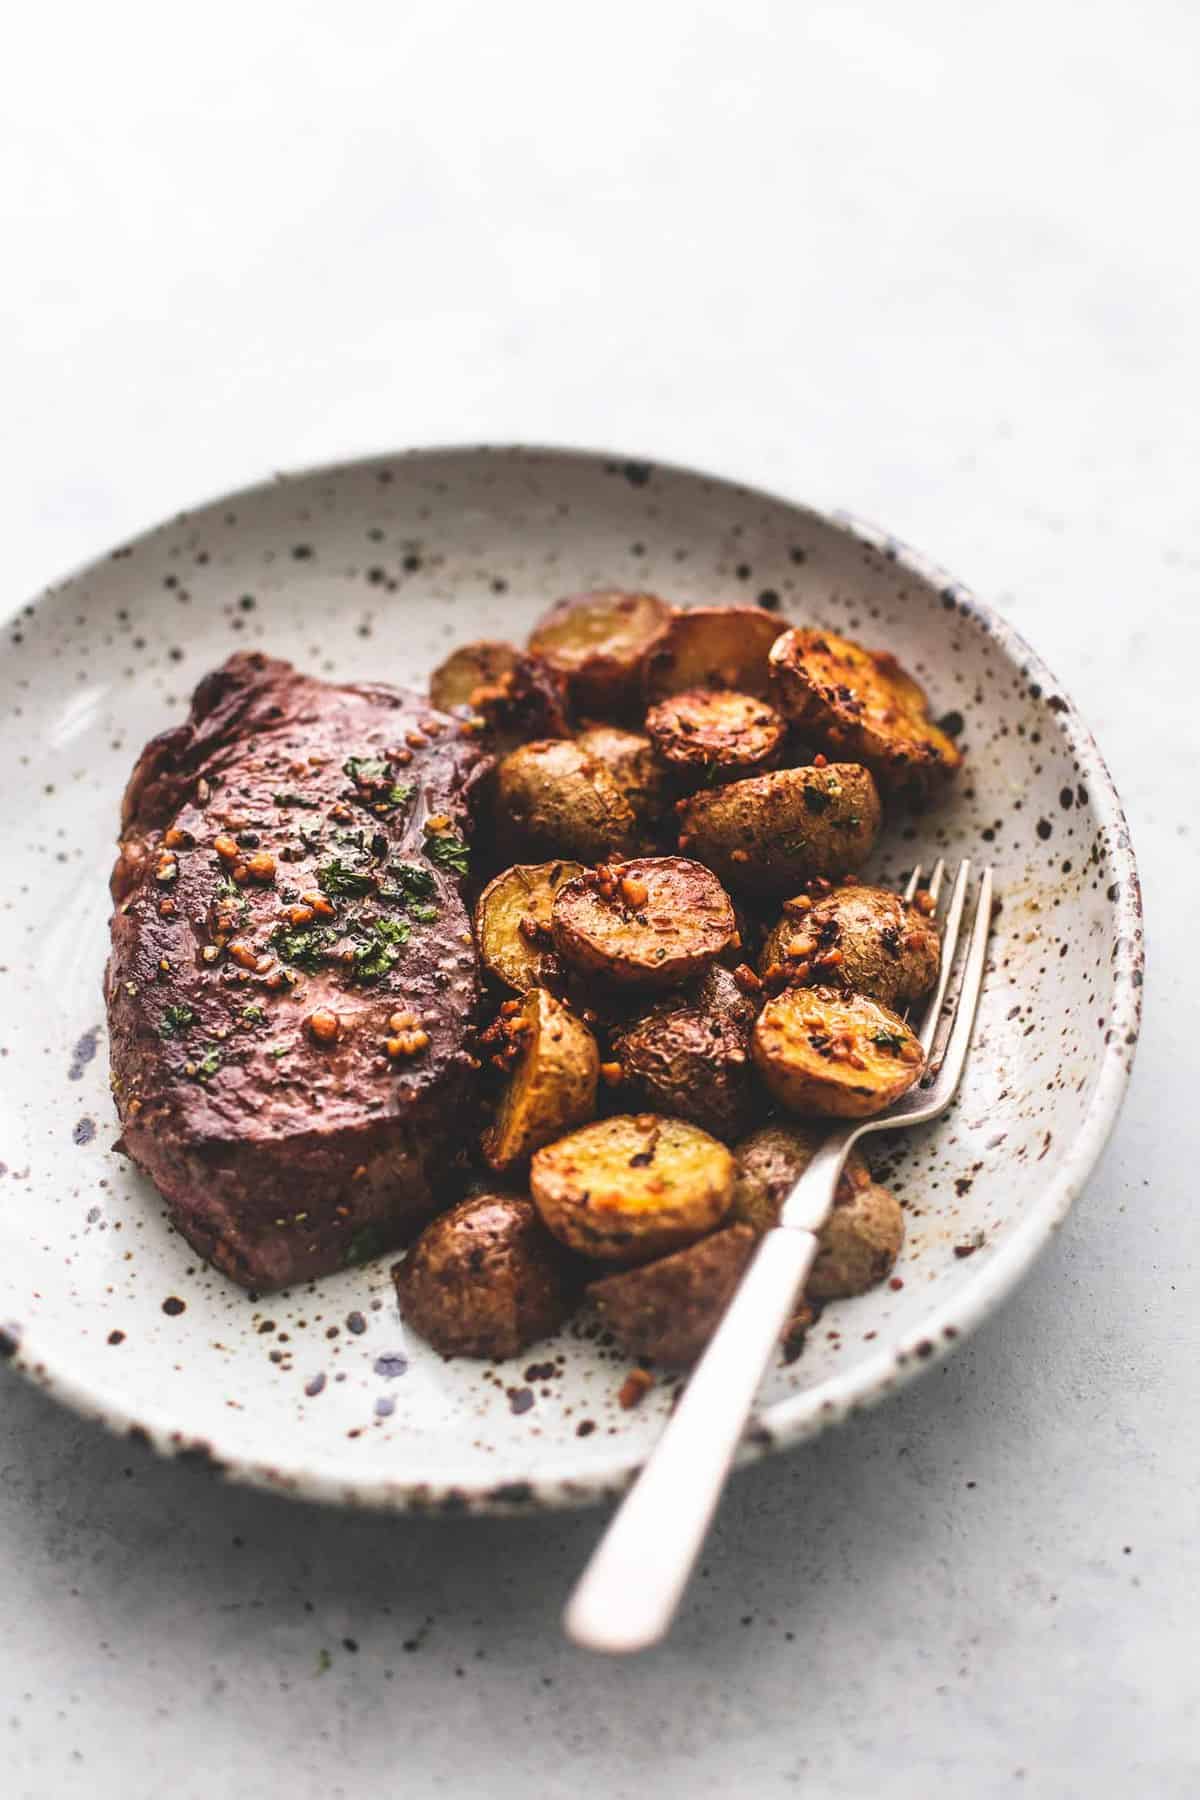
[
  {"x": 551, "y": 1085},
  {"x": 858, "y": 937},
  {"x": 630, "y": 760},
  {"x": 860, "y": 704},
  {"x": 554, "y": 799},
  {"x": 824, "y": 1053},
  {"x": 716, "y": 733},
  {"x": 771, "y": 833},
  {"x": 597, "y": 642},
  {"x": 512, "y": 923},
  {"x": 485, "y": 1279},
  {"x": 653, "y": 921},
  {"x": 632, "y": 1187},
  {"x": 690, "y": 1054}
]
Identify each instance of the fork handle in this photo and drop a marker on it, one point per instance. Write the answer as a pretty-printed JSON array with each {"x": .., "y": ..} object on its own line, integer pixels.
[{"x": 628, "y": 1593}]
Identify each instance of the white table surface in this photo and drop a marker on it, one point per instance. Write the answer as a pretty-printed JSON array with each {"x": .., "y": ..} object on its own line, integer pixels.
[{"x": 937, "y": 263}]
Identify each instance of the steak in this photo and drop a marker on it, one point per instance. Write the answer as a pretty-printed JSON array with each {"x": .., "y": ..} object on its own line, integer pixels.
[{"x": 292, "y": 984}]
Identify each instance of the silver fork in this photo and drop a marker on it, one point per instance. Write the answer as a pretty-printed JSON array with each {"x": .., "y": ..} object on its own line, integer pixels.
[{"x": 627, "y": 1595}]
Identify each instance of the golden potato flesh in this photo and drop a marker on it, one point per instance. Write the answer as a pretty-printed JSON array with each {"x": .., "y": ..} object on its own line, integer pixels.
[
  {"x": 653, "y": 921},
  {"x": 861, "y": 705},
  {"x": 859, "y": 937},
  {"x": 597, "y": 641},
  {"x": 667, "y": 1310},
  {"x": 632, "y": 1187},
  {"x": 712, "y": 647},
  {"x": 552, "y": 1084},
  {"x": 470, "y": 674},
  {"x": 826, "y": 1054},
  {"x": 716, "y": 732},
  {"x": 512, "y": 923},
  {"x": 771, "y": 833},
  {"x": 485, "y": 1279},
  {"x": 630, "y": 760},
  {"x": 554, "y": 799}
]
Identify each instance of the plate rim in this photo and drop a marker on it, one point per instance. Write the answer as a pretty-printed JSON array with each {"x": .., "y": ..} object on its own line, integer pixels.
[{"x": 801, "y": 1416}]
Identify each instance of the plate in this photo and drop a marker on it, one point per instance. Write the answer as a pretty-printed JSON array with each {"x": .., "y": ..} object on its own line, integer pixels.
[{"x": 374, "y": 569}]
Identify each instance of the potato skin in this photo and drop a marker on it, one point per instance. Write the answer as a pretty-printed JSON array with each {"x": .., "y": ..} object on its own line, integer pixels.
[
  {"x": 629, "y": 757},
  {"x": 690, "y": 1055},
  {"x": 485, "y": 1279},
  {"x": 667, "y": 1310},
  {"x": 552, "y": 1085},
  {"x": 792, "y": 1046},
  {"x": 721, "y": 734},
  {"x": 861, "y": 1239},
  {"x": 553, "y": 799},
  {"x": 888, "y": 949},
  {"x": 771, "y": 833},
  {"x": 632, "y": 1187},
  {"x": 480, "y": 665},
  {"x": 711, "y": 647},
  {"x": 860, "y": 704},
  {"x": 597, "y": 642},
  {"x": 512, "y": 923},
  {"x": 682, "y": 924}
]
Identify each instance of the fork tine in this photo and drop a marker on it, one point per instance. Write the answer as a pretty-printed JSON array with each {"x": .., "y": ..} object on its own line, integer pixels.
[
  {"x": 914, "y": 882},
  {"x": 934, "y": 884},
  {"x": 929, "y": 1023},
  {"x": 954, "y": 1055}
]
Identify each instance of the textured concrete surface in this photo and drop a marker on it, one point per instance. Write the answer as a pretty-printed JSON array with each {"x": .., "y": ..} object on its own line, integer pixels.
[{"x": 936, "y": 264}]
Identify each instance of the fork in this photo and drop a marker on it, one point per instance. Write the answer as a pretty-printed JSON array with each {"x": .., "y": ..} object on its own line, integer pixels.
[{"x": 627, "y": 1596}]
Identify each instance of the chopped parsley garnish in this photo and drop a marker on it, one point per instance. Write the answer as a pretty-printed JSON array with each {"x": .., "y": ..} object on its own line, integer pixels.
[
  {"x": 816, "y": 800},
  {"x": 254, "y": 1015},
  {"x": 174, "y": 1020},
  {"x": 378, "y": 789},
  {"x": 368, "y": 1241},
  {"x": 411, "y": 886},
  {"x": 278, "y": 1050},
  {"x": 449, "y": 850},
  {"x": 304, "y": 945},
  {"x": 209, "y": 1063},
  {"x": 378, "y": 949},
  {"x": 290, "y": 798},
  {"x": 887, "y": 1040},
  {"x": 340, "y": 881},
  {"x": 366, "y": 771},
  {"x": 422, "y": 912}
]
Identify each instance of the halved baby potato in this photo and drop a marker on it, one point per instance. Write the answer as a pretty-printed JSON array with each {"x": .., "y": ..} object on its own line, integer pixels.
[
  {"x": 826, "y": 1054},
  {"x": 667, "y": 1310},
  {"x": 771, "y": 833},
  {"x": 512, "y": 923},
  {"x": 712, "y": 647},
  {"x": 485, "y": 1279},
  {"x": 653, "y": 921},
  {"x": 859, "y": 1241},
  {"x": 629, "y": 757},
  {"x": 860, "y": 704},
  {"x": 552, "y": 1085},
  {"x": 597, "y": 642},
  {"x": 689, "y": 1054},
  {"x": 554, "y": 798},
  {"x": 859, "y": 937},
  {"x": 470, "y": 673},
  {"x": 716, "y": 732},
  {"x": 632, "y": 1187}
]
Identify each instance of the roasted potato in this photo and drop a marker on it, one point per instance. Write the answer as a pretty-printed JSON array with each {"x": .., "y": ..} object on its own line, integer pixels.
[
  {"x": 711, "y": 647},
  {"x": 716, "y": 733},
  {"x": 860, "y": 1240},
  {"x": 512, "y": 923},
  {"x": 485, "y": 1279},
  {"x": 826, "y": 1054},
  {"x": 471, "y": 674},
  {"x": 771, "y": 833},
  {"x": 551, "y": 1087},
  {"x": 597, "y": 642},
  {"x": 667, "y": 1310},
  {"x": 859, "y": 937},
  {"x": 630, "y": 760},
  {"x": 552, "y": 798},
  {"x": 654, "y": 921},
  {"x": 526, "y": 703},
  {"x": 632, "y": 1187},
  {"x": 861, "y": 705},
  {"x": 690, "y": 1054}
]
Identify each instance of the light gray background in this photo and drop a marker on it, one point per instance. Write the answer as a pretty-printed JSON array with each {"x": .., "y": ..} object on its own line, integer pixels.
[{"x": 937, "y": 263}]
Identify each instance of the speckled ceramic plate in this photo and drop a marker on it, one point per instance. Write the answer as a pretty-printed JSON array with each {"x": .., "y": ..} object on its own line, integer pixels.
[{"x": 374, "y": 570}]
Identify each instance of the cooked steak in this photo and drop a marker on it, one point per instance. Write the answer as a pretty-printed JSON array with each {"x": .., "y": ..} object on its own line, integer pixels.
[{"x": 292, "y": 982}]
